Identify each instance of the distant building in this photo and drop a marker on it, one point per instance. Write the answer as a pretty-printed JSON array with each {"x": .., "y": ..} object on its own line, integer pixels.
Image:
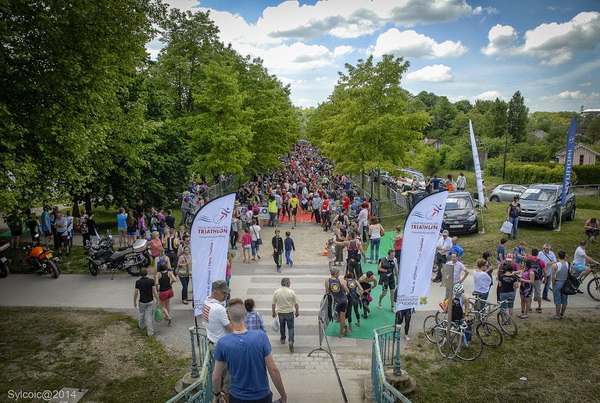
[
  {"x": 538, "y": 134},
  {"x": 433, "y": 142},
  {"x": 583, "y": 155}
]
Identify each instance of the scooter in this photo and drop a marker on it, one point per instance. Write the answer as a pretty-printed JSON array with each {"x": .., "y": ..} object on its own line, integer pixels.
[
  {"x": 4, "y": 271},
  {"x": 41, "y": 259}
]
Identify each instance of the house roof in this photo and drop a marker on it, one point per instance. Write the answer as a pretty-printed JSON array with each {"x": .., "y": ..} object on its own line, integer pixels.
[
  {"x": 579, "y": 145},
  {"x": 431, "y": 141}
]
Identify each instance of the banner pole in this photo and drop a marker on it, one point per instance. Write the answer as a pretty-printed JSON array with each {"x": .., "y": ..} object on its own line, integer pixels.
[
  {"x": 559, "y": 220},
  {"x": 482, "y": 223}
]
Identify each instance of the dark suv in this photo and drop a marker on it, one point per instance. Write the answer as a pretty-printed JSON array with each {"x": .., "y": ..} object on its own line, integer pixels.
[{"x": 540, "y": 204}]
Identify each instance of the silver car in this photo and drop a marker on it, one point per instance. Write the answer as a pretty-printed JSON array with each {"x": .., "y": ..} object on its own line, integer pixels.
[{"x": 506, "y": 193}]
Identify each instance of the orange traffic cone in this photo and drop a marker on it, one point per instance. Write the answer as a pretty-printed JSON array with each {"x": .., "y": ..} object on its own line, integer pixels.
[{"x": 325, "y": 253}]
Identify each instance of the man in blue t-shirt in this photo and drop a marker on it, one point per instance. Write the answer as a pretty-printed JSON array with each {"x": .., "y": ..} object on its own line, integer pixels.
[
  {"x": 436, "y": 182},
  {"x": 247, "y": 355}
]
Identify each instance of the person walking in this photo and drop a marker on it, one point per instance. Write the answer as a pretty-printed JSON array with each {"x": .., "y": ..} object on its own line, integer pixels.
[
  {"x": 289, "y": 248},
  {"x": 272, "y": 208},
  {"x": 145, "y": 290},
  {"x": 277, "y": 242},
  {"x": 354, "y": 293},
  {"x": 512, "y": 215},
  {"x": 254, "y": 319},
  {"x": 355, "y": 250},
  {"x": 217, "y": 325},
  {"x": 246, "y": 245},
  {"x": 256, "y": 239},
  {"x": 247, "y": 356},
  {"x": 388, "y": 271},
  {"x": 285, "y": 306},
  {"x": 184, "y": 270},
  {"x": 461, "y": 182},
  {"x": 338, "y": 290},
  {"x": 398, "y": 237},
  {"x": 163, "y": 280}
]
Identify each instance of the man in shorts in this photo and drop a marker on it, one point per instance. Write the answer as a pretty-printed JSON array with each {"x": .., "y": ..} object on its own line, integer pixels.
[
  {"x": 46, "y": 226},
  {"x": 338, "y": 290},
  {"x": 293, "y": 206},
  {"x": 580, "y": 261}
]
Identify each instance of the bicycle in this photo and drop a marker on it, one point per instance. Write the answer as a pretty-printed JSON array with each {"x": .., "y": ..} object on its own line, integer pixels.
[
  {"x": 464, "y": 342},
  {"x": 489, "y": 333},
  {"x": 505, "y": 321},
  {"x": 593, "y": 287}
]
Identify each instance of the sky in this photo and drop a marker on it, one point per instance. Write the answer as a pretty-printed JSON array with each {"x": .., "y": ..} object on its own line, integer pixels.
[{"x": 549, "y": 50}]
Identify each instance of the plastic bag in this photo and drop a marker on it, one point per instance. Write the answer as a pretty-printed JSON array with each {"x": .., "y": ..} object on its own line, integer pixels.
[
  {"x": 506, "y": 227},
  {"x": 275, "y": 324},
  {"x": 159, "y": 315}
]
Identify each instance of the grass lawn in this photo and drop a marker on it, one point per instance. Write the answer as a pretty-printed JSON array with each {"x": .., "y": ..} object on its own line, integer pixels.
[
  {"x": 103, "y": 352},
  {"x": 557, "y": 358}
]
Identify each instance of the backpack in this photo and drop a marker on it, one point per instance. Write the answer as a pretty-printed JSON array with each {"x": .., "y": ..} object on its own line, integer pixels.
[
  {"x": 457, "y": 310},
  {"x": 537, "y": 269}
]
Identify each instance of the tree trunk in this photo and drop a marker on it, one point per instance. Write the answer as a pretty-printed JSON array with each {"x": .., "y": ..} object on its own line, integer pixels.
[
  {"x": 88, "y": 203},
  {"x": 76, "y": 207}
]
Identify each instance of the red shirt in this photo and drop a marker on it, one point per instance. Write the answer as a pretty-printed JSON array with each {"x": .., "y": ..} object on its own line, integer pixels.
[
  {"x": 346, "y": 203},
  {"x": 325, "y": 205}
]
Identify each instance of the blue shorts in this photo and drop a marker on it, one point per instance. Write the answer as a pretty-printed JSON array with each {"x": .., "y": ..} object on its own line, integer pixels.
[
  {"x": 132, "y": 233},
  {"x": 559, "y": 297},
  {"x": 510, "y": 296},
  {"x": 579, "y": 267}
]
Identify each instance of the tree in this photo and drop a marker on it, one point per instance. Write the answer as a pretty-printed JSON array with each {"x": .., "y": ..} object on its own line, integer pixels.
[
  {"x": 364, "y": 125},
  {"x": 61, "y": 69},
  {"x": 517, "y": 117}
]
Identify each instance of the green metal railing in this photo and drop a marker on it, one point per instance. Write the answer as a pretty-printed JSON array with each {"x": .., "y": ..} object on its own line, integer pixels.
[
  {"x": 386, "y": 353},
  {"x": 202, "y": 366}
]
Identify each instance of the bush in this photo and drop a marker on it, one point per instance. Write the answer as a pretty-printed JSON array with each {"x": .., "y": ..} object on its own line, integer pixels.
[
  {"x": 528, "y": 173},
  {"x": 587, "y": 174}
]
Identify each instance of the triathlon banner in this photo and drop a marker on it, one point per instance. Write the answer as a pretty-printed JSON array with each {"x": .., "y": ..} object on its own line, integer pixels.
[
  {"x": 209, "y": 244},
  {"x": 421, "y": 233},
  {"x": 478, "y": 177},
  {"x": 569, "y": 152}
]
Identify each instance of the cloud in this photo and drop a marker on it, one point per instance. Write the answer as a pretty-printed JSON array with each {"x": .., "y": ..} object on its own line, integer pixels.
[
  {"x": 576, "y": 95},
  {"x": 488, "y": 96},
  {"x": 412, "y": 44},
  {"x": 586, "y": 84},
  {"x": 501, "y": 40},
  {"x": 552, "y": 43},
  {"x": 436, "y": 73},
  {"x": 295, "y": 58},
  {"x": 342, "y": 50}
]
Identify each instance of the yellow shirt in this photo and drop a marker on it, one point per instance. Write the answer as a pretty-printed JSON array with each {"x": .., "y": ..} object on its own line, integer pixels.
[
  {"x": 285, "y": 300},
  {"x": 293, "y": 202}
]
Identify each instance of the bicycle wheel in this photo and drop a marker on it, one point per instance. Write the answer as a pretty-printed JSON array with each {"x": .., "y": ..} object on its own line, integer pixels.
[
  {"x": 429, "y": 325},
  {"x": 442, "y": 342},
  {"x": 593, "y": 288},
  {"x": 469, "y": 346},
  {"x": 507, "y": 323},
  {"x": 490, "y": 335}
]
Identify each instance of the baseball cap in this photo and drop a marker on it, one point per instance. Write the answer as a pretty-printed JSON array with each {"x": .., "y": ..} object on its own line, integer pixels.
[
  {"x": 445, "y": 232},
  {"x": 220, "y": 285},
  {"x": 509, "y": 257}
]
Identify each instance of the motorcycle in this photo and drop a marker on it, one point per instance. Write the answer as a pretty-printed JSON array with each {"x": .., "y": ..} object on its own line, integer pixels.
[
  {"x": 4, "y": 261},
  {"x": 41, "y": 259},
  {"x": 131, "y": 258}
]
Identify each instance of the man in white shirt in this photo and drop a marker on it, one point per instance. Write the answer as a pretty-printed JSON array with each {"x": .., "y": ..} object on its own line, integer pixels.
[
  {"x": 216, "y": 322},
  {"x": 548, "y": 257},
  {"x": 460, "y": 271},
  {"x": 442, "y": 249},
  {"x": 363, "y": 222},
  {"x": 285, "y": 303},
  {"x": 580, "y": 261}
]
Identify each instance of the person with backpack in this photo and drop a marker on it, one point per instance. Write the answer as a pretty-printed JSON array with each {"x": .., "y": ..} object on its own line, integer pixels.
[
  {"x": 508, "y": 281},
  {"x": 388, "y": 271},
  {"x": 539, "y": 269},
  {"x": 460, "y": 303},
  {"x": 560, "y": 272}
]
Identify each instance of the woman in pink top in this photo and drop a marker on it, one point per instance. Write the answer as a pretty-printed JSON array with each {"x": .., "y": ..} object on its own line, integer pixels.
[
  {"x": 155, "y": 244},
  {"x": 246, "y": 245},
  {"x": 527, "y": 280}
]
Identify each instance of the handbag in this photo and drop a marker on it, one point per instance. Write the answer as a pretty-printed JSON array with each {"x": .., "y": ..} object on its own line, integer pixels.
[
  {"x": 258, "y": 239},
  {"x": 506, "y": 227},
  {"x": 275, "y": 324},
  {"x": 159, "y": 314},
  {"x": 381, "y": 231}
]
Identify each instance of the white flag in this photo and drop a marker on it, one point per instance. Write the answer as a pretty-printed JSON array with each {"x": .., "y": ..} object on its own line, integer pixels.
[
  {"x": 478, "y": 177},
  {"x": 209, "y": 243}
]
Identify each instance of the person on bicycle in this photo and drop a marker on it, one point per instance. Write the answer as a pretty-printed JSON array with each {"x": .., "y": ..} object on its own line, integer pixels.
[{"x": 580, "y": 260}]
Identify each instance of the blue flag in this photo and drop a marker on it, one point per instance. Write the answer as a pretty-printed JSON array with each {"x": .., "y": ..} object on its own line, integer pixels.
[{"x": 568, "y": 161}]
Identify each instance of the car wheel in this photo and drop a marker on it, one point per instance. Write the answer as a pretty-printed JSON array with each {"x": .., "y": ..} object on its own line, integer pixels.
[
  {"x": 554, "y": 222},
  {"x": 571, "y": 216},
  {"x": 494, "y": 199}
]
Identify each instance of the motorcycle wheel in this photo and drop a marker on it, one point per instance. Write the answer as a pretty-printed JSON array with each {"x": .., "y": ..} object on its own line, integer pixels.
[
  {"x": 4, "y": 270},
  {"x": 53, "y": 269},
  {"x": 133, "y": 270},
  {"x": 93, "y": 268},
  {"x": 147, "y": 260}
]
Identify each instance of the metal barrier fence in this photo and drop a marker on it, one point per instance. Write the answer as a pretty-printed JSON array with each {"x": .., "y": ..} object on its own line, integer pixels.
[
  {"x": 386, "y": 352},
  {"x": 587, "y": 190},
  {"x": 200, "y": 391},
  {"x": 221, "y": 187}
]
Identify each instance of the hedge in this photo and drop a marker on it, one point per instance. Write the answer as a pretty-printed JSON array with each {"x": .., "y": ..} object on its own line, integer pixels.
[
  {"x": 537, "y": 172},
  {"x": 587, "y": 174}
]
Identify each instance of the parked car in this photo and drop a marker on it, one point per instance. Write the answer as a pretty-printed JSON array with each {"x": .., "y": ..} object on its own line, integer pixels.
[
  {"x": 386, "y": 178},
  {"x": 460, "y": 216},
  {"x": 406, "y": 176},
  {"x": 506, "y": 193},
  {"x": 540, "y": 204}
]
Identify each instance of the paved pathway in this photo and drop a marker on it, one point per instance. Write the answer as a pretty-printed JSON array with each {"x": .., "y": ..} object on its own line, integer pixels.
[{"x": 307, "y": 379}]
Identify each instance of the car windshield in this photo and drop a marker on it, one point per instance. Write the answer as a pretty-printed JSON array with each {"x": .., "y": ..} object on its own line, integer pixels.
[
  {"x": 539, "y": 195},
  {"x": 458, "y": 203}
]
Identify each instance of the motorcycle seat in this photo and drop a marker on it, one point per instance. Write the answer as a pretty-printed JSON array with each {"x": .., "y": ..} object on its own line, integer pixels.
[{"x": 121, "y": 253}]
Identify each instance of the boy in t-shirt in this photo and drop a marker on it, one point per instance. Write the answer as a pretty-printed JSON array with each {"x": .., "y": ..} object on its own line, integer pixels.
[{"x": 289, "y": 247}]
